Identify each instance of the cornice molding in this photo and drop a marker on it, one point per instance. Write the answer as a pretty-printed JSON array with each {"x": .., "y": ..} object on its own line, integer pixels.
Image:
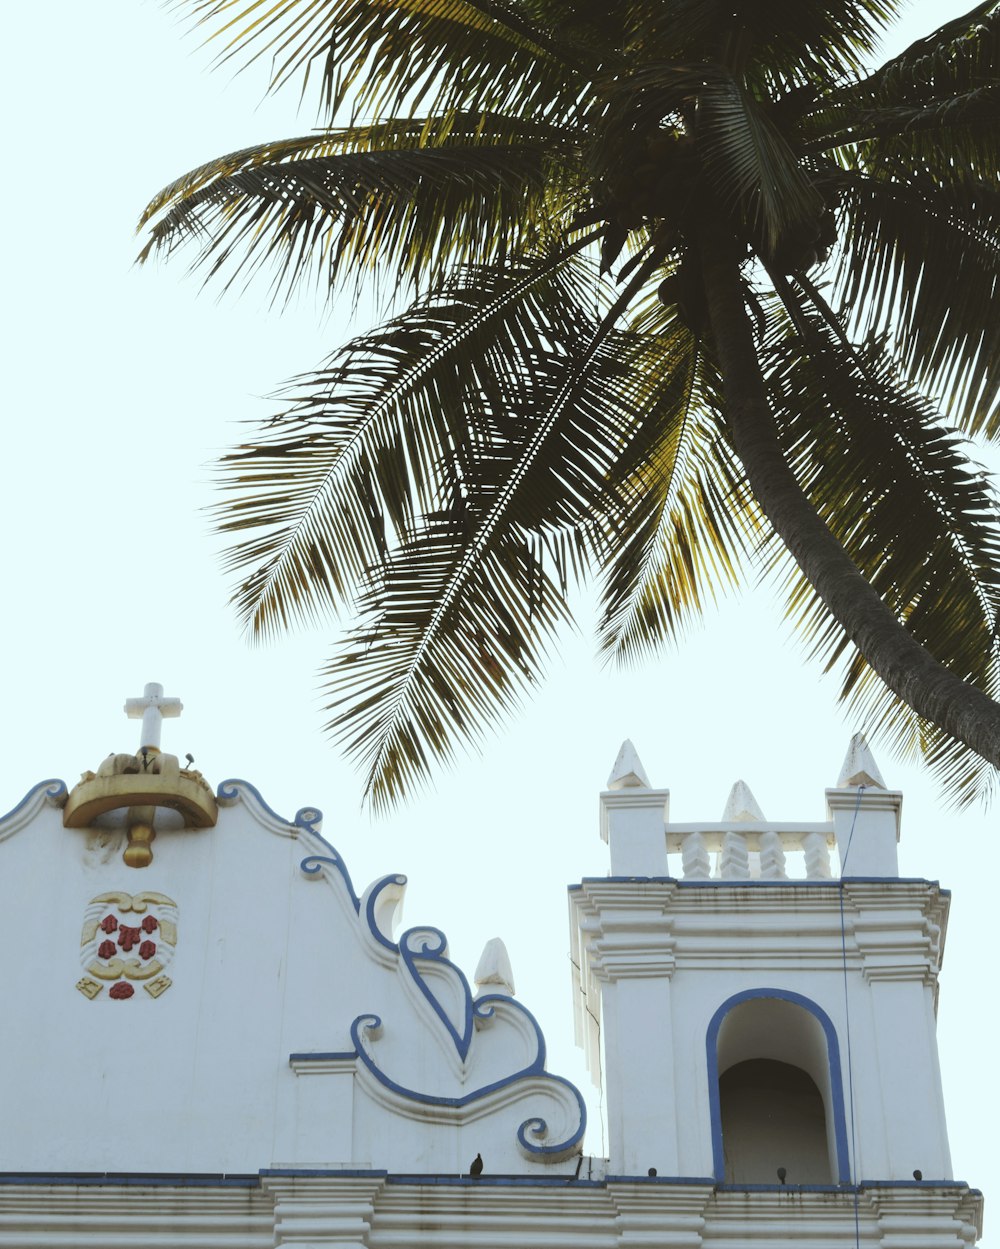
[{"x": 51, "y": 793}]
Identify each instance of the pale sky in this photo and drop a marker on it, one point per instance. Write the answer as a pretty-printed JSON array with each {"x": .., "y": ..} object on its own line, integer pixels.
[{"x": 122, "y": 387}]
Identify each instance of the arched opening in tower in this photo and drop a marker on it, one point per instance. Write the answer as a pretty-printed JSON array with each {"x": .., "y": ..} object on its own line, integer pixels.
[
  {"x": 773, "y": 1118},
  {"x": 777, "y": 1103}
]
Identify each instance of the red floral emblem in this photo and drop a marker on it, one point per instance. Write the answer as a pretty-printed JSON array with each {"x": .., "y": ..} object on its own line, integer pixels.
[{"x": 126, "y": 946}]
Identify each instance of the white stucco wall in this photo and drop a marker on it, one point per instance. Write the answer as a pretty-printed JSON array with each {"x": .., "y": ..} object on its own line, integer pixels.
[{"x": 269, "y": 961}]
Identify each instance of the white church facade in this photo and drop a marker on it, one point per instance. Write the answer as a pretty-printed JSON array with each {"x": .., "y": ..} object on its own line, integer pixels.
[{"x": 228, "y": 1044}]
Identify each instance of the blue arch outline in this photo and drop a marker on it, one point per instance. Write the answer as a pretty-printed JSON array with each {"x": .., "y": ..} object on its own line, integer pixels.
[{"x": 833, "y": 1058}]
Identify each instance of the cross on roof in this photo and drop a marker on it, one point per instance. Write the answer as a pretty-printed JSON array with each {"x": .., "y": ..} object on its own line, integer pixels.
[{"x": 151, "y": 708}]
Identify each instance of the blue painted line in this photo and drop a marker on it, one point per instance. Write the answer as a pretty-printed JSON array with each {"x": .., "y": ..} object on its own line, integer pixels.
[
  {"x": 706, "y": 1180},
  {"x": 435, "y": 955},
  {"x": 328, "y": 1056},
  {"x": 495, "y": 1181},
  {"x": 131, "y": 1179},
  {"x": 533, "y": 1127},
  {"x": 54, "y": 788},
  {"x": 229, "y": 791},
  {"x": 324, "y": 1172}
]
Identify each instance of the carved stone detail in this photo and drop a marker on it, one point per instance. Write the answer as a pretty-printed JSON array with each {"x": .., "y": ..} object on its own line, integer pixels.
[
  {"x": 817, "y": 855},
  {"x": 734, "y": 859},
  {"x": 772, "y": 857},
  {"x": 694, "y": 858}
]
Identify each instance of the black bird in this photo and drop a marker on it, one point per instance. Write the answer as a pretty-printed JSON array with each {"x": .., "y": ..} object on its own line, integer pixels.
[
  {"x": 476, "y": 1166},
  {"x": 781, "y": 1174},
  {"x": 651, "y": 1172},
  {"x": 918, "y": 1175}
]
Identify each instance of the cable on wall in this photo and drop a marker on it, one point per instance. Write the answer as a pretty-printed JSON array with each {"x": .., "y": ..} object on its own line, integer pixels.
[{"x": 847, "y": 1022}]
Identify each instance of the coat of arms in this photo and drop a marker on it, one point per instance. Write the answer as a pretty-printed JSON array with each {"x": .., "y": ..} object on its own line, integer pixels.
[{"x": 128, "y": 940}]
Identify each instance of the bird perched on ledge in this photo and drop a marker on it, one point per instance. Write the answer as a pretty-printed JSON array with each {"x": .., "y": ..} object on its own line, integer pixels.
[{"x": 476, "y": 1167}]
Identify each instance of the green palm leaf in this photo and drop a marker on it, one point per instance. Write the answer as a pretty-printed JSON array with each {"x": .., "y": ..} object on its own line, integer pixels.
[
  {"x": 460, "y": 614},
  {"x": 924, "y": 258},
  {"x": 523, "y": 421},
  {"x": 678, "y": 509},
  {"x": 855, "y": 434},
  {"x": 364, "y": 451},
  {"x": 366, "y": 202},
  {"x": 961, "y": 54},
  {"x": 392, "y": 57}
]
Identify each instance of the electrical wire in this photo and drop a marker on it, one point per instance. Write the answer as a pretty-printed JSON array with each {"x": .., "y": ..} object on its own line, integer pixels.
[{"x": 847, "y": 1023}]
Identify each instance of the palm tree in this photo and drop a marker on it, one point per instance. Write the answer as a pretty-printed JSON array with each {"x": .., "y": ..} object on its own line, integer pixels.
[{"x": 690, "y": 286}]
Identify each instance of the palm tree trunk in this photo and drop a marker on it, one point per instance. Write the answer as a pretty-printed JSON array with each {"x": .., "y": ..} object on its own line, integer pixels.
[{"x": 910, "y": 671}]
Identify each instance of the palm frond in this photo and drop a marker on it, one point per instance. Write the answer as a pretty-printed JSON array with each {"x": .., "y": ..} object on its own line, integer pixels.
[
  {"x": 897, "y": 490},
  {"x": 962, "y": 54},
  {"x": 673, "y": 541},
  {"x": 965, "y": 777},
  {"x": 397, "y": 55},
  {"x": 457, "y": 469},
  {"x": 364, "y": 449},
  {"x": 750, "y": 164},
  {"x": 419, "y": 677},
  {"x": 400, "y": 199},
  {"x": 459, "y": 616},
  {"x": 802, "y": 37},
  {"x": 935, "y": 107},
  {"x": 923, "y": 259},
  {"x": 949, "y": 139}
]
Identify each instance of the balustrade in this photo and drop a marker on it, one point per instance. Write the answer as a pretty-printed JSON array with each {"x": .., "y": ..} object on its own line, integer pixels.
[{"x": 752, "y": 851}]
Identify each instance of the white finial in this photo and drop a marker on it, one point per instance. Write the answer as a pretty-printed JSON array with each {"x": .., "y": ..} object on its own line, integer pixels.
[
  {"x": 628, "y": 772},
  {"x": 859, "y": 767},
  {"x": 494, "y": 968},
  {"x": 741, "y": 806},
  {"x": 151, "y": 709}
]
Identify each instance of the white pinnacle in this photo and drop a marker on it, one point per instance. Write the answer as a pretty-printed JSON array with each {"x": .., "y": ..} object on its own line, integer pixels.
[
  {"x": 741, "y": 806},
  {"x": 151, "y": 709},
  {"x": 494, "y": 968},
  {"x": 859, "y": 767},
  {"x": 628, "y": 772}
]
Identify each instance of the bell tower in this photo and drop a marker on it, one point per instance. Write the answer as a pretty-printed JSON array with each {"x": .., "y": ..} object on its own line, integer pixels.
[{"x": 759, "y": 1000}]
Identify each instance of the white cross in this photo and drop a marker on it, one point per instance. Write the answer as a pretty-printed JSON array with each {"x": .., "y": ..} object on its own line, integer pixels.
[{"x": 151, "y": 709}]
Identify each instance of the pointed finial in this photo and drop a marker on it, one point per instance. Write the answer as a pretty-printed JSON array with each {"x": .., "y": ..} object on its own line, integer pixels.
[
  {"x": 628, "y": 772},
  {"x": 741, "y": 805},
  {"x": 859, "y": 768},
  {"x": 494, "y": 968}
]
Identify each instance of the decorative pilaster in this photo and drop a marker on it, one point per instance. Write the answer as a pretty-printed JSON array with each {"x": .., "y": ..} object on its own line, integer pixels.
[
  {"x": 627, "y": 948},
  {"x": 933, "y": 1216},
  {"x": 321, "y": 1209},
  {"x": 652, "y": 1214},
  {"x": 867, "y": 827},
  {"x": 896, "y": 928}
]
